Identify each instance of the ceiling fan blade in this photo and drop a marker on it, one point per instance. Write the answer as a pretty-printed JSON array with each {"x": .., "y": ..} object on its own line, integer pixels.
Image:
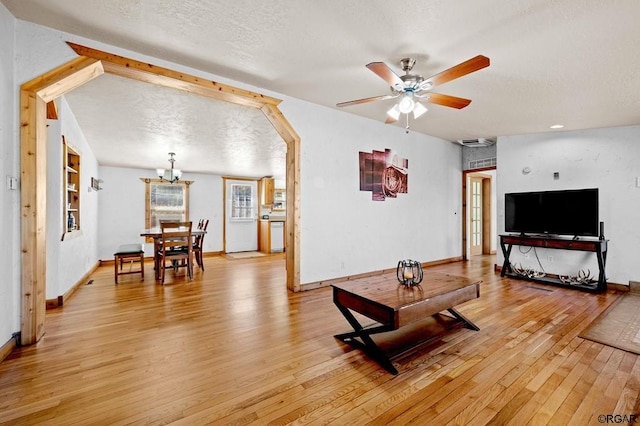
[
  {"x": 464, "y": 68},
  {"x": 383, "y": 71},
  {"x": 447, "y": 100},
  {"x": 365, "y": 100}
]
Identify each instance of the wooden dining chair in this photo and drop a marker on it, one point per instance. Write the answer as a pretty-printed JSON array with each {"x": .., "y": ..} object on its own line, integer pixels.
[
  {"x": 199, "y": 241},
  {"x": 176, "y": 247}
]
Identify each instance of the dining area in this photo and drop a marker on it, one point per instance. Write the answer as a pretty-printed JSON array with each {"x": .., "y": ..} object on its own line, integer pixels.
[{"x": 176, "y": 245}]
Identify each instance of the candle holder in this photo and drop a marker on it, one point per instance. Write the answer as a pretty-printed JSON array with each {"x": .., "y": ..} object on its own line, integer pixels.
[{"x": 409, "y": 272}]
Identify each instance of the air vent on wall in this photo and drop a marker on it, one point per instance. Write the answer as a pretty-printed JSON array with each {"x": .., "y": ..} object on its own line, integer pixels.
[
  {"x": 485, "y": 162},
  {"x": 475, "y": 143}
]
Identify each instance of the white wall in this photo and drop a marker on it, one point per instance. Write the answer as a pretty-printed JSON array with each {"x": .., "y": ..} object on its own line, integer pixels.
[
  {"x": 9, "y": 199},
  {"x": 76, "y": 256},
  {"x": 69, "y": 260},
  {"x": 343, "y": 231},
  {"x": 607, "y": 159},
  {"x": 122, "y": 209}
]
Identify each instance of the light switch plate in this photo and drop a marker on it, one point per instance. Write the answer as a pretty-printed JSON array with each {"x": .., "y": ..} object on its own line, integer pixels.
[
  {"x": 638, "y": 182},
  {"x": 12, "y": 182}
]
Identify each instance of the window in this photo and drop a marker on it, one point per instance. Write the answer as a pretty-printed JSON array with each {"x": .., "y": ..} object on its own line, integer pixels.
[
  {"x": 242, "y": 204},
  {"x": 165, "y": 201}
]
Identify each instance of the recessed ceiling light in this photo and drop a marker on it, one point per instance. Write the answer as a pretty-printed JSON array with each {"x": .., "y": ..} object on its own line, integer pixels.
[{"x": 557, "y": 126}]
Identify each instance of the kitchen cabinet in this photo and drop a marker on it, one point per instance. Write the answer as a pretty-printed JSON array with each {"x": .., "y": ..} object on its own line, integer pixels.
[
  {"x": 271, "y": 238},
  {"x": 267, "y": 186}
]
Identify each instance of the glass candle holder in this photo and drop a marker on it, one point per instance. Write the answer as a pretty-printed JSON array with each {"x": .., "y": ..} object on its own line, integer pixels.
[{"x": 409, "y": 272}]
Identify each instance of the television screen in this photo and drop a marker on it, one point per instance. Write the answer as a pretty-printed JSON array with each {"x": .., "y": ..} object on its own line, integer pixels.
[{"x": 569, "y": 212}]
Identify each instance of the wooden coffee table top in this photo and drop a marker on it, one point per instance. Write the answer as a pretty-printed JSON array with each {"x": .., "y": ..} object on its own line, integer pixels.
[{"x": 383, "y": 299}]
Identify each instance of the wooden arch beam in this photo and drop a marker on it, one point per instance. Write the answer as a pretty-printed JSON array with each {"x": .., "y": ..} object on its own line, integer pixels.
[
  {"x": 34, "y": 96},
  {"x": 154, "y": 74}
]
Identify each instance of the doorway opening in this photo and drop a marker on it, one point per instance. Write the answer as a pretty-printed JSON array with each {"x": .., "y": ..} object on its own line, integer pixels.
[
  {"x": 35, "y": 98},
  {"x": 479, "y": 218}
]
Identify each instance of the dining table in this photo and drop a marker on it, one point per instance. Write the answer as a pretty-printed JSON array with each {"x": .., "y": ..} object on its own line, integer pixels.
[{"x": 156, "y": 235}]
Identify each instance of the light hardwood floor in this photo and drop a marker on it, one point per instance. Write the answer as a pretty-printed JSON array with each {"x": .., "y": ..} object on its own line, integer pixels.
[{"x": 234, "y": 347}]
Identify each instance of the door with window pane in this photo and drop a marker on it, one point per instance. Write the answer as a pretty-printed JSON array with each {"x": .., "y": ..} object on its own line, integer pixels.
[
  {"x": 476, "y": 216},
  {"x": 241, "y": 214}
]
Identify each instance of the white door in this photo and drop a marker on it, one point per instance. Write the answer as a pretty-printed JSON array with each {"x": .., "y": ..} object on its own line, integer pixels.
[
  {"x": 241, "y": 215},
  {"x": 476, "y": 216}
]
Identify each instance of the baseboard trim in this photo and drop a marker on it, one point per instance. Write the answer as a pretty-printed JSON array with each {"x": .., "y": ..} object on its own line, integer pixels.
[
  {"x": 212, "y": 254},
  {"x": 326, "y": 283},
  {"x": 616, "y": 286},
  {"x": 59, "y": 301},
  {"x": 7, "y": 348}
]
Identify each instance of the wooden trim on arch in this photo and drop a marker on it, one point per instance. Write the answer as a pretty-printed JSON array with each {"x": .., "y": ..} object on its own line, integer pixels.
[
  {"x": 34, "y": 96},
  {"x": 136, "y": 70}
]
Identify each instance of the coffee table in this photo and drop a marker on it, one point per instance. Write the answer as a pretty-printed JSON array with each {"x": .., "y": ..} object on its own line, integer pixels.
[{"x": 418, "y": 310}]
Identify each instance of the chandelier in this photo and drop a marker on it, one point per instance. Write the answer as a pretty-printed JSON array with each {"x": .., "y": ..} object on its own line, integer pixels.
[{"x": 172, "y": 175}]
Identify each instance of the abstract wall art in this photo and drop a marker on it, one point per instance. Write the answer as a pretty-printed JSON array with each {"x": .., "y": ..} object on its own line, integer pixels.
[{"x": 383, "y": 173}]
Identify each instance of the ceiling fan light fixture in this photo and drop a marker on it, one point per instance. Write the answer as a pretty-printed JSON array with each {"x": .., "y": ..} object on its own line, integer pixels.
[
  {"x": 394, "y": 112},
  {"x": 418, "y": 110},
  {"x": 406, "y": 104}
]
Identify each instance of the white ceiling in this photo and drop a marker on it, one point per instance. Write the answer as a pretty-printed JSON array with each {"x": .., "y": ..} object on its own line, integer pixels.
[
  {"x": 572, "y": 62},
  {"x": 146, "y": 122}
]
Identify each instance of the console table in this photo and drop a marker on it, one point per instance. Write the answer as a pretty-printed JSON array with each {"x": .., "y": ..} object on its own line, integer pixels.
[
  {"x": 599, "y": 247},
  {"x": 415, "y": 310}
]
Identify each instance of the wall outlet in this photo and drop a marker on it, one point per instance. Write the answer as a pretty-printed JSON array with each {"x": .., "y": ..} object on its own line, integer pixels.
[{"x": 550, "y": 259}]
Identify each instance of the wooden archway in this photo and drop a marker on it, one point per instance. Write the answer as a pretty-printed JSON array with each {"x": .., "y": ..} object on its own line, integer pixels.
[{"x": 36, "y": 94}]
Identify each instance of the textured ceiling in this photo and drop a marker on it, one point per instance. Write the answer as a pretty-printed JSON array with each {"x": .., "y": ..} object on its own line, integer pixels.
[
  {"x": 146, "y": 121},
  {"x": 572, "y": 62}
]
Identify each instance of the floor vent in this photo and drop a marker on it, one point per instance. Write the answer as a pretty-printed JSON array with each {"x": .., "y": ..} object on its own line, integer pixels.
[{"x": 539, "y": 288}]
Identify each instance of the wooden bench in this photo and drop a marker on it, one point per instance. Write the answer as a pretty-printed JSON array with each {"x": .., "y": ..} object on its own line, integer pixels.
[{"x": 132, "y": 253}]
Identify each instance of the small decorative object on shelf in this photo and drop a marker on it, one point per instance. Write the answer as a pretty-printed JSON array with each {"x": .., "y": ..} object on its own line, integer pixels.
[
  {"x": 525, "y": 271},
  {"x": 409, "y": 272},
  {"x": 584, "y": 278}
]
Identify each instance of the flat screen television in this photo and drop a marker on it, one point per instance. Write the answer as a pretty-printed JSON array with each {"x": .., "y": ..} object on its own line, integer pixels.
[{"x": 568, "y": 212}]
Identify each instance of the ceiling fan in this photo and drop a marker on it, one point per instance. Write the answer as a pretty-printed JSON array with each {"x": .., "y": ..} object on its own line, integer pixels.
[{"x": 413, "y": 88}]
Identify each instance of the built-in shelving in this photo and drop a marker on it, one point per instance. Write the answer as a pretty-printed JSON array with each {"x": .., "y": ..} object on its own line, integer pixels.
[{"x": 71, "y": 183}]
